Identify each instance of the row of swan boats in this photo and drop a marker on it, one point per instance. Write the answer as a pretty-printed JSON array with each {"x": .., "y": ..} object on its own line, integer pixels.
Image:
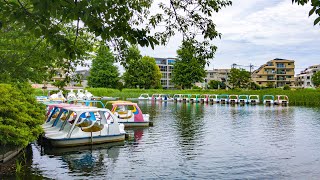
[
  {"x": 80, "y": 95},
  {"x": 222, "y": 98},
  {"x": 81, "y": 123}
]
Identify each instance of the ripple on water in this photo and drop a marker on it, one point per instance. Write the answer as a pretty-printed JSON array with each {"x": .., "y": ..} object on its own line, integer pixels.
[{"x": 192, "y": 141}]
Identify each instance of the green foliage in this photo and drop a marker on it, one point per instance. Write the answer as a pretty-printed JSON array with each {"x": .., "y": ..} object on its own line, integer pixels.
[
  {"x": 239, "y": 78},
  {"x": 216, "y": 85},
  {"x": 141, "y": 72},
  {"x": 189, "y": 66},
  {"x": 20, "y": 115},
  {"x": 314, "y": 10},
  {"x": 116, "y": 22},
  {"x": 270, "y": 84},
  {"x": 286, "y": 87},
  {"x": 254, "y": 86},
  {"x": 103, "y": 72},
  {"x": 316, "y": 79}
]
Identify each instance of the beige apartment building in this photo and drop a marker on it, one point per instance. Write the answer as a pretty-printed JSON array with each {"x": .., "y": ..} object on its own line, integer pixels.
[{"x": 279, "y": 72}]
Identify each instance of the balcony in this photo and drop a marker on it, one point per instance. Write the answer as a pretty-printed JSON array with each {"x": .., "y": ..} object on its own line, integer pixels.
[
  {"x": 281, "y": 66},
  {"x": 281, "y": 72}
]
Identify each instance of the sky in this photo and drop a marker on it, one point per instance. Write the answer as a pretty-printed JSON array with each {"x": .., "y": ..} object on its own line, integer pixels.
[{"x": 256, "y": 31}]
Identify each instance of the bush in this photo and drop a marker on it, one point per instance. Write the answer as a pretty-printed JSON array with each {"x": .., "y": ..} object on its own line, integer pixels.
[
  {"x": 286, "y": 87},
  {"x": 20, "y": 115}
]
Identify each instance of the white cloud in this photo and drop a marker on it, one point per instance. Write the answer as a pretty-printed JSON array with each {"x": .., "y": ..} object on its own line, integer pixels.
[{"x": 255, "y": 31}]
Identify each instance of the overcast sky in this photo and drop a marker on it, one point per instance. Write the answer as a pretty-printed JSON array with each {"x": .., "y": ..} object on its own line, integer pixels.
[{"x": 255, "y": 31}]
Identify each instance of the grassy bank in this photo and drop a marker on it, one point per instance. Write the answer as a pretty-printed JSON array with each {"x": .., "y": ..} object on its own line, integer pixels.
[{"x": 305, "y": 97}]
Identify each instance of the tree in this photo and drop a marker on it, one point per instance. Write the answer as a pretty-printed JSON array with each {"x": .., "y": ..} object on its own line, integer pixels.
[
  {"x": 213, "y": 84},
  {"x": 189, "y": 66},
  {"x": 239, "y": 78},
  {"x": 314, "y": 10},
  {"x": 316, "y": 79},
  {"x": 270, "y": 84},
  {"x": 143, "y": 72},
  {"x": 63, "y": 24},
  {"x": 21, "y": 115},
  {"x": 103, "y": 72}
]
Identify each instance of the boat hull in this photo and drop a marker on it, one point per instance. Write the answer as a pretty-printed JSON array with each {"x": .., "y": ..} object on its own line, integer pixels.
[
  {"x": 135, "y": 124},
  {"x": 69, "y": 142}
]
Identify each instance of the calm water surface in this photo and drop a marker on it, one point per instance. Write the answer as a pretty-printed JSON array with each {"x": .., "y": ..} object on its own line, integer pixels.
[{"x": 191, "y": 141}]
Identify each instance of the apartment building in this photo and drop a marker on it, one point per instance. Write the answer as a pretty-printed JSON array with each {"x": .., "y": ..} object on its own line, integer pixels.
[
  {"x": 217, "y": 75},
  {"x": 166, "y": 67},
  {"x": 278, "y": 72},
  {"x": 304, "y": 78}
]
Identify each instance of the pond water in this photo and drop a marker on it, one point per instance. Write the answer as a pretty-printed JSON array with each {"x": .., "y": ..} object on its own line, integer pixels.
[{"x": 191, "y": 141}]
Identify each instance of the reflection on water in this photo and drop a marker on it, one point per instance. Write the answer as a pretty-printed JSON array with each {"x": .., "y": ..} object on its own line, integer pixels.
[{"x": 192, "y": 141}]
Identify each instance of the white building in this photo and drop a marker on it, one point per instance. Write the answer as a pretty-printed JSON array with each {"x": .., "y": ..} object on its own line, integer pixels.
[
  {"x": 304, "y": 78},
  {"x": 166, "y": 67}
]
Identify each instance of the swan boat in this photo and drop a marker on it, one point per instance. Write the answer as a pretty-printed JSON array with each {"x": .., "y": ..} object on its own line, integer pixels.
[
  {"x": 130, "y": 114},
  {"x": 76, "y": 126}
]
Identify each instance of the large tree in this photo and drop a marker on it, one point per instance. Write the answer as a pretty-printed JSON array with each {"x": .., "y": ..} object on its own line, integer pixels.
[
  {"x": 118, "y": 23},
  {"x": 314, "y": 10},
  {"x": 239, "y": 78},
  {"x": 142, "y": 73},
  {"x": 103, "y": 72},
  {"x": 189, "y": 66},
  {"x": 316, "y": 79}
]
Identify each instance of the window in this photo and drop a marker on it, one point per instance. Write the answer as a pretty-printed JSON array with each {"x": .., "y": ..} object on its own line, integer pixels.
[
  {"x": 171, "y": 61},
  {"x": 163, "y": 68},
  {"x": 269, "y": 64},
  {"x": 308, "y": 77},
  {"x": 289, "y": 64},
  {"x": 170, "y": 68},
  {"x": 288, "y": 76},
  {"x": 163, "y": 82},
  {"x": 259, "y": 82},
  {"x": 164, "y": 75}
]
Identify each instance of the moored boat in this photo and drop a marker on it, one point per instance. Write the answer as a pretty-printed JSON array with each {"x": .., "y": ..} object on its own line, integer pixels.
[
  {"x": 177, "y": 97},
  {"x": 282, "y": 100},
  {"x": 233, "y": 99},
  {"x": 130, "y": 114},
  {"x": 268, "y": 100},
  {"x": 254, "y": 99},
  {"x": 243, "y": 99},
  {"x": 223, "y": 98},
  {"x": 83, "y": 126},
  {"x": 195, "y": 98},
  {"x": 204, "y": 98},
  {"x": 144, "y": 97},
  {"x": 214, "y": 98}
]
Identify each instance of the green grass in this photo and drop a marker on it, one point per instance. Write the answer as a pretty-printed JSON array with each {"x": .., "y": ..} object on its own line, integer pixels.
[
  {"x": 305, "y": 97},
  {"x": 298, "y": 97}
]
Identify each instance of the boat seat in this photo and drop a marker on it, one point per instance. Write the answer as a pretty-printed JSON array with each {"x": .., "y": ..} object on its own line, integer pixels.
[{"x": 95, "y": 127}]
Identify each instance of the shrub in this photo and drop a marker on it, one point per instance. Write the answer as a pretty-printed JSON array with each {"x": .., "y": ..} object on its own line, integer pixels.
[
  {"x": 286, "y": 87},
  {"x": 20, "y": 115}
]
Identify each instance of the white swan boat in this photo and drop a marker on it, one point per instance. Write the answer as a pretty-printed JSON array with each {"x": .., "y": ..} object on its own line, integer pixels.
[{"x": 76, "y": 126}]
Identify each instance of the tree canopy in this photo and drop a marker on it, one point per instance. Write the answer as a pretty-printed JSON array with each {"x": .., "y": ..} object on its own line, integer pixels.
[
  {"x": 141, "y": 72},
  {"x": 316, "y": 79},
  {"x": 314, "y": 10},
  {"x": 213, "y": 84},
  {"x": 189, "y": 66},
  {"x": 239, "y": 78},
  {"x": 71, "y": 26},
  {"x": 103, "y": 72}
]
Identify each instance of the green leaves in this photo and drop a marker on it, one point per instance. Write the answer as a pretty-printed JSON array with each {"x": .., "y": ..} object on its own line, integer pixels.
[
  {"x": 316, "y": 79},
  {"x": 20, "y": 115},
  {"x": 140, "y": 71},
  {"x": 190, "y": 64},
  {"x": 315, "y": 8},
  {"x": 239, "y": 78},
  {"x": 103, "y": 73}
]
